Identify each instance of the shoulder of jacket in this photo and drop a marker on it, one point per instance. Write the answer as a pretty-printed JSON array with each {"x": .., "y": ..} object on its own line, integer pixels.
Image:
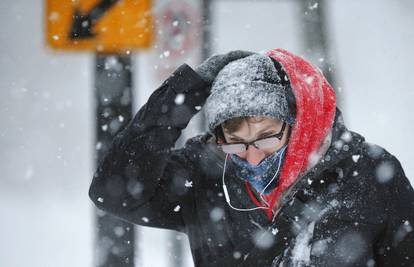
[
  {"x": 383, "y": 166},
  {"x": 377, "y": 153}
]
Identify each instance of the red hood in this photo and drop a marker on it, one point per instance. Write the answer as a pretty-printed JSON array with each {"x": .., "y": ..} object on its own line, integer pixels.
[{"x": 315, "y": 113}]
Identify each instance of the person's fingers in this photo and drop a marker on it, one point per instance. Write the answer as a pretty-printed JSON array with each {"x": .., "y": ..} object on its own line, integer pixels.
[{"x": 212, "y": 65}]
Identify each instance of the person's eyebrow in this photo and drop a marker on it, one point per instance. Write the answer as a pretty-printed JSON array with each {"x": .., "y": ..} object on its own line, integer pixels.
[{"x": 260, "y": 134}]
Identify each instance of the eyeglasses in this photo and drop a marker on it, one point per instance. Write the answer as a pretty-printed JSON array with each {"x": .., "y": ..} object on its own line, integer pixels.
[{"x": 261, "y": 143}]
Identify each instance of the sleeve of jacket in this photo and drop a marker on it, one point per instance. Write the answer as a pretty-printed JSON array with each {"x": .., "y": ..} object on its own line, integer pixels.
[
  {"x": 141, "y": 177},
  {"x": 397, "y": 246}
]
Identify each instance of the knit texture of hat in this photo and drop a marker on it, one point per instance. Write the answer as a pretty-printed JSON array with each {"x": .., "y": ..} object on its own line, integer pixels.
[{"x": 249, "y": 86}]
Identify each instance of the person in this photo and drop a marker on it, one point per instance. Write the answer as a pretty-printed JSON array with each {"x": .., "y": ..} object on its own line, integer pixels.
[{"x": 277, "y": 180}]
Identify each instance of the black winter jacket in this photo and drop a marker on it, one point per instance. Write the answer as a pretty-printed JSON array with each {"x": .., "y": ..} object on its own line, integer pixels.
[{"x": 355, "y": 207}]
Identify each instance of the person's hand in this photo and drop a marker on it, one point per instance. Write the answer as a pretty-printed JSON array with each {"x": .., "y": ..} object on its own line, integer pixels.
[{"x": 209, "y": 69}]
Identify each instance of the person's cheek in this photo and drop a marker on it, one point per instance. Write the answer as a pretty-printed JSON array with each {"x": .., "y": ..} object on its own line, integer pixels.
[{"x": 242, "y": 155}]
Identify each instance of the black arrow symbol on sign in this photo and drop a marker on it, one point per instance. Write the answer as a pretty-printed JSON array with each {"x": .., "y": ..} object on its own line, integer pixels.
[{"x": 82, "y": 23}]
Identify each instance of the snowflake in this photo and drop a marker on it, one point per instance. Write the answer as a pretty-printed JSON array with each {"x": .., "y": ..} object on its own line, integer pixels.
[
  {"x": 188, "y": 183},
  {"x": 355, "y": 158}
]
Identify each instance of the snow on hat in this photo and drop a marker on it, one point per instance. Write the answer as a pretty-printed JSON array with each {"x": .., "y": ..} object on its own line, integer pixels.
[{"x": 250, "y": 86}]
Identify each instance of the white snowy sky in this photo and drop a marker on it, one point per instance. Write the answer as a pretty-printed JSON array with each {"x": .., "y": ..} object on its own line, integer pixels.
[{"x": 46, "y": 103}]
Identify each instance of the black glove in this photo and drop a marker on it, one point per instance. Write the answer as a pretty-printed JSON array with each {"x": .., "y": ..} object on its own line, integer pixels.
[
  {"x": 175, "y": 101},
  {"x": 209, "y": 69}
]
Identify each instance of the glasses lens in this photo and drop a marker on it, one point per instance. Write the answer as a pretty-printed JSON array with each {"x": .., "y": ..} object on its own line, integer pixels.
[
  {"x": 233, "y": 148},
  {"x": 270, "y": 142}
]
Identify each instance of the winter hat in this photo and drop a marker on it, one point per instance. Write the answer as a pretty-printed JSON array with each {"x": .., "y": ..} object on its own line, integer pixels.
[{"x": 249, "y": 86}]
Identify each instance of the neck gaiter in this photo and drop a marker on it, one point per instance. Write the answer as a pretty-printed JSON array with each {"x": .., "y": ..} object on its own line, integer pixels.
[{"x": 259, "y": 176}]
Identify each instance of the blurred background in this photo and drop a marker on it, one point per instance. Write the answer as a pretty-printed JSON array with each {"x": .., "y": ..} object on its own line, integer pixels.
[{"x": 73, "y": 72}]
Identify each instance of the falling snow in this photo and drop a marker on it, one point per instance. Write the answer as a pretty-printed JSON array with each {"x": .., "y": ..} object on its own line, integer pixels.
[
  {"x": 179, "y": 99},
  {"x": 314, "y": 6},
  {"x": 188, "y": 183},
  {"x": 384, "y": 172},
  {"x": 263, "y": 239},
  {"x": 216, "y": 214},
  {"x": 355, "y": 158}
]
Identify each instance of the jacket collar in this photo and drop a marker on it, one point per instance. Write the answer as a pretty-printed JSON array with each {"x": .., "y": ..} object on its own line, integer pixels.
[{"x": 344, "y": 144}]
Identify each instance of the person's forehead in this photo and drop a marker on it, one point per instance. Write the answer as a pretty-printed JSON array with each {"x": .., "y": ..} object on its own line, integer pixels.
[
  {"x": 263, "y": 120},
  {"x": 257, "y": 126},
  {"x": 258, "y": 121}
]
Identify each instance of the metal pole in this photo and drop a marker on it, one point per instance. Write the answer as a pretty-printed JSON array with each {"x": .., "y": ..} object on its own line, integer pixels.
[
  {"x": 206, "y": 42},
  {"x": 113, "y": 93},
  {"x": 206, "y": 49},
  {"x": 316, "y": 42}
]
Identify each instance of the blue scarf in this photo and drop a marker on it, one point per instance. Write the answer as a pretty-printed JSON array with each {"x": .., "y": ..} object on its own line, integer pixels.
[{"x": 261, "y": 175}]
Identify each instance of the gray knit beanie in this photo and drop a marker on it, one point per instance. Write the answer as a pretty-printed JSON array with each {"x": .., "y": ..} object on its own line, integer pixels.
[{"x": 250, "y": 86}]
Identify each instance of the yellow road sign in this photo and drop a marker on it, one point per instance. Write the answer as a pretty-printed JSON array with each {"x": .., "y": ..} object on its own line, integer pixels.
[{"x": 99, "y": 25}]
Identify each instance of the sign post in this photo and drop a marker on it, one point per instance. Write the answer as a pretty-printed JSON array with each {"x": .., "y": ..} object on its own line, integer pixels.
[
  {"x": 111, "y": 29},
  {"x": 113, "y": 98}
]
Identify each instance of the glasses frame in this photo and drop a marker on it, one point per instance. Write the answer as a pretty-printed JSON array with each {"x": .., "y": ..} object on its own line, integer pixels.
[{"x": 278, "y": 135}]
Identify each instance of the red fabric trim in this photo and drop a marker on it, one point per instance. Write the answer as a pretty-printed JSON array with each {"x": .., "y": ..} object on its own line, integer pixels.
[
  {"x": 315, "y": 113},
  {"x": 268, "y": 212}
]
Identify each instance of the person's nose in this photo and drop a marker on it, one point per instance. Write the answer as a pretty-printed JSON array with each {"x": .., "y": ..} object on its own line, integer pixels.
[{"x": 254, "y": 156}]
